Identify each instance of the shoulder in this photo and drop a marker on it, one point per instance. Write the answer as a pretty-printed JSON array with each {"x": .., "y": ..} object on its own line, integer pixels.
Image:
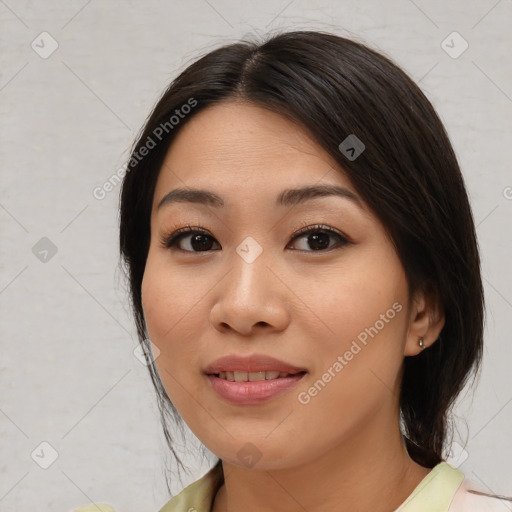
[
  {"x": 446, "y": 489},
  {"x": 198, "y": 496},
  {"x": 472, "y": 497}
]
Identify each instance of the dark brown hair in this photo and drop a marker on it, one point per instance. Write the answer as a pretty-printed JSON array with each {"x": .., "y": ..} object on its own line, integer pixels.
[{"x": 408, "y": 175}]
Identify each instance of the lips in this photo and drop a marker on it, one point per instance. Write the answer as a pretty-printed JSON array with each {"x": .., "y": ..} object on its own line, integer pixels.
[{"x": 251, "y": 364}]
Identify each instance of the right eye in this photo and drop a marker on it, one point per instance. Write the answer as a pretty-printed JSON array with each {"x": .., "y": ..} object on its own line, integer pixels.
[{"x": 188, "y": 240}]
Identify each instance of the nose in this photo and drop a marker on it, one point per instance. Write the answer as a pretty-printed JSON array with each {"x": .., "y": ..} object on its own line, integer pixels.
[{"x": 251, "y": 298}]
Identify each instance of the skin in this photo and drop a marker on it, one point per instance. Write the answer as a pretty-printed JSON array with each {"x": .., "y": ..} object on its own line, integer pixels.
[{"x": 342, "y": 450}]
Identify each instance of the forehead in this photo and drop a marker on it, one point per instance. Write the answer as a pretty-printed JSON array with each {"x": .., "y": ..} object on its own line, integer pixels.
[{"x": 236, "y": 146}]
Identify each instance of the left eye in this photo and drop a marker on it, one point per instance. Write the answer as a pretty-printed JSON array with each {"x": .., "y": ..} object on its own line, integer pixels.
[{"x": 318, "y": 238}]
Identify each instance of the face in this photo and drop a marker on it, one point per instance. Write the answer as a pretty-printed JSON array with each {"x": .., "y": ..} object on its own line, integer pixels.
[{"x": 240, "y": 280}]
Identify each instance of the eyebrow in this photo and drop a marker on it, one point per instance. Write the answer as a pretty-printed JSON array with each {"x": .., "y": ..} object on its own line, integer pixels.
[{"x": 288, "y": 197}]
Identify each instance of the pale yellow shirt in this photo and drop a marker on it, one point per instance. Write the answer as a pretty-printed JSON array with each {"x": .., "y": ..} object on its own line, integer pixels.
[{"x": 444, "y": 489}]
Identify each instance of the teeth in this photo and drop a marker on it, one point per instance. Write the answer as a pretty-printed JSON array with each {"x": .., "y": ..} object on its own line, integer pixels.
[
  {"x": 241, "y": 376},
  {"x": 251, "y": 376}
]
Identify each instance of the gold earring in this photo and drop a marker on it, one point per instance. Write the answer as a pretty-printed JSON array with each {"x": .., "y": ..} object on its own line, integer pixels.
[{"x": 420, "y": 343}]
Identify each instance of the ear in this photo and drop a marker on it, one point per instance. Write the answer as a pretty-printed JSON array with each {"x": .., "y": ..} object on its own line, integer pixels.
[{"x": 426, "y": 321}]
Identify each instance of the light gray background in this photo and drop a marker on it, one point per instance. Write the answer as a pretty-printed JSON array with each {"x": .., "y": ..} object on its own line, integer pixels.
[{"x": 68, "y": 375}]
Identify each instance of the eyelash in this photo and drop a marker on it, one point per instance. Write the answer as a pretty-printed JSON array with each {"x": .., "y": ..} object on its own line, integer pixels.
[{"x": 170, "y": 238}]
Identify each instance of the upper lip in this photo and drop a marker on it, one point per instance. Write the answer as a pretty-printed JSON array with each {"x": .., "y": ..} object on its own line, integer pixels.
[{"x": 253, "y": 363}]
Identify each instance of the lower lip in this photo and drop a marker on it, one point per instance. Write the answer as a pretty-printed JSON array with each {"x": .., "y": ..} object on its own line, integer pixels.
[{"x": 254, "y": 392}]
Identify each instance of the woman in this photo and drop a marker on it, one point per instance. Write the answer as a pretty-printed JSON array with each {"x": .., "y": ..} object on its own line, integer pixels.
[{"x": 302, "y": 253}]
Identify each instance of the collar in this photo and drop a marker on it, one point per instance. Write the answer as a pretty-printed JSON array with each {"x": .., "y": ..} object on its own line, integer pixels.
[{"x": 433, "y": 494}]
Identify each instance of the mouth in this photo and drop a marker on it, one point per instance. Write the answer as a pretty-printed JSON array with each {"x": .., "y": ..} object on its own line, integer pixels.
[
  {"x": 245, "y": 392},
  {"x": 241, "y": 376},
  {"x": 252, "y": 380}
]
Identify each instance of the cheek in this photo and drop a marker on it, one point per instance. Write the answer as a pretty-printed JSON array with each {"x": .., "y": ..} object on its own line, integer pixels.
[
  {"x": 360, "y": 320},
  {"x": 173, "y": 309},
  {"x": 170, "y": 301},
  {"x": 343, "y": 301}
]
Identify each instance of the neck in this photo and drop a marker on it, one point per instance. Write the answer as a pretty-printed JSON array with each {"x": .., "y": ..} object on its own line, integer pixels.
[{"x": 370, "y": 471}]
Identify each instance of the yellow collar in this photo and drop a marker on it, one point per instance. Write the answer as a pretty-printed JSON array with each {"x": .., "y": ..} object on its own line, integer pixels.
[{"x": 433, "y": 494}]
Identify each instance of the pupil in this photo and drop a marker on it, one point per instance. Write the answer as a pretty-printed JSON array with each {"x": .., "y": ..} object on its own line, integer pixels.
[
  {"x": 315, "y": 240},
  {"x": 203, "y": 243}
]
